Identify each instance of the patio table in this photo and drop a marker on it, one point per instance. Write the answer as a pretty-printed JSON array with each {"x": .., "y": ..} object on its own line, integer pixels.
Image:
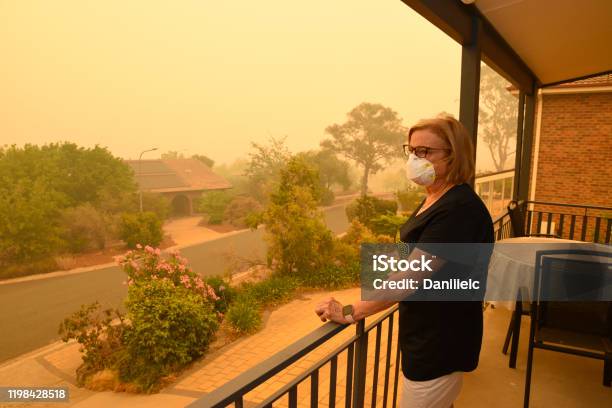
[
  {"x": 511, "y": 273},
  {"x": 512, "y": 266}
]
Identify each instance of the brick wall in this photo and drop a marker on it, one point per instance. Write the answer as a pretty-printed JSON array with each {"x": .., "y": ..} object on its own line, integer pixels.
[
  {"x": 575, "y": 153},
  {"x": 575, "y": 165}
]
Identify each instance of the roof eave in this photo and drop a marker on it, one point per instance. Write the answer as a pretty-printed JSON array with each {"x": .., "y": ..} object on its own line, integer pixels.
[{"x": 457, "y": 20}]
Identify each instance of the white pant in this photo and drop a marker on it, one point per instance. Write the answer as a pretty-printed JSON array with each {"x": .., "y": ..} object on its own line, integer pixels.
[{"x": 440, "y": 392}]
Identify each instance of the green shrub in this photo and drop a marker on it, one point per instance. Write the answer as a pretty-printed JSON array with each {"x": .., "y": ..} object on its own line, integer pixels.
[
  {"x": 359, "y": 233},
  {"x": 170, "y": 326},
  {"x": 327, "y": 197},
  {"x": 84, "y": 228},
  {"x": 156, "y": 203},
  {"x": 333, "y": 277},
  {"x": 171, "y": 319},
  {"x": 382, "y": 206},
  {"x": 272, "y": 291},
  {"x": 214, "y": 203},
  {"x": 244, "y": 315},
  {"x": 225, "y": 293},
  {"x": 409, "y": 199},
  {"x": 253, "y": 220},
  {"x": 360, "y": 210},
  {"x": 367, "y": 209},
  {"x": 387, "y": 224},
  {"x": 141, "y": 228},
  {"x": 239, "y": 209},
  {"x": 15, "y": 270},
  {"x": 341, "y": 272},
  {"x": 99, "y": 338}
]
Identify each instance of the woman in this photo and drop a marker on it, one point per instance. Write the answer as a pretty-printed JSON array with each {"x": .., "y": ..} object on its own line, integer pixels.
[{"x": 439, "y": 340}]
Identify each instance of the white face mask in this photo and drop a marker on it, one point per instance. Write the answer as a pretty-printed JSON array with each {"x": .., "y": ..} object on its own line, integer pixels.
[{"x": 420, "y": 170}]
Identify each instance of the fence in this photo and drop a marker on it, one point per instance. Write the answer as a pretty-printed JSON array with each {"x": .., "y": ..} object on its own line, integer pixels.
[
  {"x": 568, "y": 221},
  {"x": 352, "y": 374}
]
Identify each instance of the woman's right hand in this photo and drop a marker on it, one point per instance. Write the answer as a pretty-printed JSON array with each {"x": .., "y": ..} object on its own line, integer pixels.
[{"x": 331, "y": 309}]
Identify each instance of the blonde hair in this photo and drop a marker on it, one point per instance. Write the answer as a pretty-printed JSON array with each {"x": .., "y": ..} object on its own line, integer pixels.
[{"x": 450, "y": 130}]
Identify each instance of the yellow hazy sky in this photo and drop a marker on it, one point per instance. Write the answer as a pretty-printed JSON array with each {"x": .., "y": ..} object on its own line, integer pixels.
[{"x": 209, "y": 77}]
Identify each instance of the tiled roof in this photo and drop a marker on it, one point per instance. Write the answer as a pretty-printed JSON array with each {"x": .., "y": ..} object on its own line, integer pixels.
[
  {"x": 176, "y": 175},
  {"x": 600, "y": 80},
  {"x": 604, "y": 80}
]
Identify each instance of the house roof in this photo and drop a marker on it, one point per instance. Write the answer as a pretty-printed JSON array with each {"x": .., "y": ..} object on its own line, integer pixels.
[
  {"x": 163, "y": 176},
  {"x": 600, "y": 83},
  {"x": 597, "y": 81}
]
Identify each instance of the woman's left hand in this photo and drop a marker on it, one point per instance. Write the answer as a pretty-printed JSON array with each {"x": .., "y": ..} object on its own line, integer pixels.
[{"x": 330, "y": 309}]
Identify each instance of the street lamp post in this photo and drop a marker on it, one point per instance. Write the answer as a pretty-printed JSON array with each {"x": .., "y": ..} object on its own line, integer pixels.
[{"x": 140, "y": 172}]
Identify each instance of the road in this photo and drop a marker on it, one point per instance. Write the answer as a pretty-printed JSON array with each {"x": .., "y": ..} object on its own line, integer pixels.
[{"x": 30, "y": 312}]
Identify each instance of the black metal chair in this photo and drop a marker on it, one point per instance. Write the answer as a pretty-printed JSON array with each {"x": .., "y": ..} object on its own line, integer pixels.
[
  {"x": 516, "y": 211},
  {"x": 521, "y": 308},
  {"x": 570, "y": 310}
]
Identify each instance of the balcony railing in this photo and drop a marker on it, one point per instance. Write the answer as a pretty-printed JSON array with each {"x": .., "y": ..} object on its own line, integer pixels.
[
  {"x": 568, "y": 221},
  {"x": 357, "y": 365}
]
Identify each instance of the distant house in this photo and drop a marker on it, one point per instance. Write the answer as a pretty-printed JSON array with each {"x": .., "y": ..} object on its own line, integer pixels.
[{"x": 181, "y": 180}]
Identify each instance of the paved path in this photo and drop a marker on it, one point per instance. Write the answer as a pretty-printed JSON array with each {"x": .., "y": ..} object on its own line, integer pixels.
[
  {"x": 187, "y": 231},
  {"x": 31, "y": 310}
]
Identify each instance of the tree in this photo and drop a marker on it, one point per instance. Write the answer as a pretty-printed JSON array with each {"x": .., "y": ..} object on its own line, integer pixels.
[
  {"x": 28, "y": 231},
  {"x": 204, "y": 159},
  {"x": 81, "y": 175},
  {"x": 263, "y": 168},
  {"x": 497, "y": 116},
  {"x": 372, "y": 133},
  {"x": 38, "y": 182},
  {"x": 298, "y": 240},
  {"x": 332, "y": 171},
  {"x": 235, "y": 173}
]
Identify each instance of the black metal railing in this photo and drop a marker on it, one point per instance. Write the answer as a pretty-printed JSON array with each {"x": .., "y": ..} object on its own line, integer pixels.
[
  {"x": 502, "y": 227},
  {"x": 569, "y": 221},
  {"x": 355, "y": 349}
]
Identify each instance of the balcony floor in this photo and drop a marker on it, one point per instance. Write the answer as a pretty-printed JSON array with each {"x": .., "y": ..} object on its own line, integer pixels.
[{"x": 558, "y": 380}]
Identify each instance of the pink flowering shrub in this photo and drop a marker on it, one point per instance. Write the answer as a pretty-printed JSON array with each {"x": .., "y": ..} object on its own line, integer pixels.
[
  {"x": 172, "y": 313},
  {"x": 172, "y": 316},
  {"x": 148, "y": 264}
]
